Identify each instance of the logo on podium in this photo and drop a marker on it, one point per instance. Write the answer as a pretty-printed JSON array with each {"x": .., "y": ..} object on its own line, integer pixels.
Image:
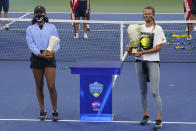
[
  {"x": 96, "y": 105},
  {"x": 96, "y": 89}
]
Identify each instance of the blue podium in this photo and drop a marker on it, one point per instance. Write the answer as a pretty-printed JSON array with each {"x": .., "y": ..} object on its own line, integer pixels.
[{"x": 96, "y": 88}]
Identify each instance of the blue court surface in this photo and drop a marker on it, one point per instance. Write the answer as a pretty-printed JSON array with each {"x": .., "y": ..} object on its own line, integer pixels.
[{"x": 19, "y": 109}]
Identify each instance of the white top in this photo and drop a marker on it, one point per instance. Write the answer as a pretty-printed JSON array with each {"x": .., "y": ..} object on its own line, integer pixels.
[{"x": 159, "y": 38}]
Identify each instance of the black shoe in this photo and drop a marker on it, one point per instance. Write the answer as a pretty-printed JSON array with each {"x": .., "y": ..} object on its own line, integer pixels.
[
  {"x": 43, "y": 115},
  {"x": 158, "y": 125},
  {"x": 55, "y": 116},
  {"x": 146, "y": 120}
]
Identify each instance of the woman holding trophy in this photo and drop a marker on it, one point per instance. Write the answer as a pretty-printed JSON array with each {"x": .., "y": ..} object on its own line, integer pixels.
[
  {"x": 42, "y": 39},
  {"x": 146, "y": 49}
]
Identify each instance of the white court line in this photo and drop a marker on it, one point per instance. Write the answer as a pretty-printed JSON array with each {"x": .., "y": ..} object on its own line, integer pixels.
[
  {"x": 20, "y": 12},
  {"x": 79, "y": 121},
  {"x": 15, "y": 20}
]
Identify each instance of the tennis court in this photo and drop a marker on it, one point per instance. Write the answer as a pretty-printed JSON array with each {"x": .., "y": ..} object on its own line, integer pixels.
[{"x": 19, "y": 107}]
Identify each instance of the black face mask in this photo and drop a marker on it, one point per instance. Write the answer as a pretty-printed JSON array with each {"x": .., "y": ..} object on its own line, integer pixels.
[
  {"x": 39, "y": 18},
  {"x": 148, "y": 19}
]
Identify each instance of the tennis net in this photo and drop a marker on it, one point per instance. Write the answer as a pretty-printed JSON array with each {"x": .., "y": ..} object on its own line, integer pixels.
[{"x": 106, "y": 41}]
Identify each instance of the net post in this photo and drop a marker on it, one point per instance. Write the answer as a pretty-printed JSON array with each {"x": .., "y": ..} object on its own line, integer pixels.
[{"x": 121, "y": 39}]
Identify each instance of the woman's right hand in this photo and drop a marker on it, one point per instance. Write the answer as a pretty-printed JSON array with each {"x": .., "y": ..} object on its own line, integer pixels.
[
  {"x": 45, "y": 56},
  {"x": 86, "y": 12},
  {"x": 127, "y": 48}
]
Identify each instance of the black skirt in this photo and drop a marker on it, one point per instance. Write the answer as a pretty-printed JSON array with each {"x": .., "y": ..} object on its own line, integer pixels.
[{"x": 40, "y": 63}]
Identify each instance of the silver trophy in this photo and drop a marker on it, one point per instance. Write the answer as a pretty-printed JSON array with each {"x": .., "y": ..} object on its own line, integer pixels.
[
  {"x": 134, "y": 33},
  {"x": 54, "y": 41}
]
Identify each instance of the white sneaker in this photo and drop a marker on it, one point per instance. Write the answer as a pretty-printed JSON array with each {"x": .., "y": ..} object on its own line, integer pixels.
[
  {"x": 88, "y": 27},
  {"x": 189, "y": 37},
  {"x": 76, "y": 36},
  {"x": 194, "y": 28},
  {"x": 85, "y": 36}
]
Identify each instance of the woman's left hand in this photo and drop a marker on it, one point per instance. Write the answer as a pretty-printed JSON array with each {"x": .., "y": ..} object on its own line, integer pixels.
[{"x": 140, "y": 53}]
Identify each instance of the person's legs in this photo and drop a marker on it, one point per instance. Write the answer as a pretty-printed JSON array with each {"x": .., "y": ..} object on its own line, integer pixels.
[
  {"x": 193, "y": 17},
  {"x": 6, "y": 16},
  {"x": 189, "y": 28},
  {"x": 6, "y": 22},
  {"x": 77, "y": 17},
  {"x": 6, "y": 8},
  {"x": 193, "y": 13},
  {"x": 189, "y": 25},
  {"x": 76, "y": 28},
  {"x": 83, "y": 14},
  {"x": 85, "y": 28},
  {"x": 187, "y": 16},
  {"x": 88, "y": 18},
  {"x": 39, "y": 81},
  {"x": 142, "y": 78},
  {"x": 154, "y": 76},
  {"x": 50, "y": 74}
]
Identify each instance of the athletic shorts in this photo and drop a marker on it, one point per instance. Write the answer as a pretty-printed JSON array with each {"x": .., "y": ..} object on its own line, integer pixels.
[
  {"x": 81, "y": 9},
  {"x": 40, "y": 63},
  {"x": 4, "y": 4},
  {"x": 193, "y": 11}
]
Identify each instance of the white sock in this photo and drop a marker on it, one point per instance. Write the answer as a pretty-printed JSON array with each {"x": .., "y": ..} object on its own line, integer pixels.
[
  {"x": 6, "y": 25},
  {"x": 85, "y": 36}
]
